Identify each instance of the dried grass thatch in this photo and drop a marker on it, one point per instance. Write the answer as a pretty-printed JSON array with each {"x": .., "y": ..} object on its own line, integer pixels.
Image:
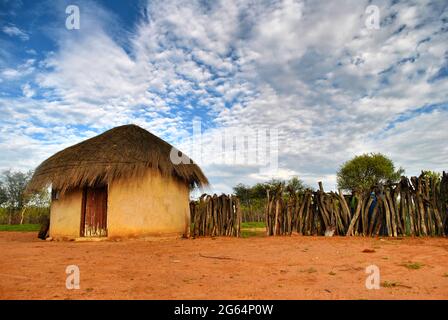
[{"x": 122, "y": 152}]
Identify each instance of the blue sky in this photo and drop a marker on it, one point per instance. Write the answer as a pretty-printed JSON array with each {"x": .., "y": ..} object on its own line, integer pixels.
[{"x": 309, "y": 69}]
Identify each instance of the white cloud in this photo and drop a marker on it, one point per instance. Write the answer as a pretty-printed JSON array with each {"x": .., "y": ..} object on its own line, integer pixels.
[
  {"x": 13, "y": 31},
  {"x": 417, "y": 144},
  {"x": 10, "y": 73},
  {"x": 22, "y": 70},
  {"x": 28, "y": 91}
]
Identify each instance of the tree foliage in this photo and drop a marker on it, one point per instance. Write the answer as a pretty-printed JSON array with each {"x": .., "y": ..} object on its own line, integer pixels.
[
  {"x": 13, "y": 199},
  {"x": 258, "y": 190},
  {"x": 365, "y": 171},
  {"x": 435, "y": 176},
  {"x": 3, "y": 197},
  {"x": 295, "y": 185},
  {"x": 14, "y": 184}
]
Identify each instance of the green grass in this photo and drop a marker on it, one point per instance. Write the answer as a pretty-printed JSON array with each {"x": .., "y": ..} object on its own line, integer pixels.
[
  {"x": 247, "y": 225},
  {"x": 413, "y": 265},
  {"x": 248, "y": 229},
  {"x": 252, "y": 229},
  {"x": 250, "y": 234},
  {"x": 19, "y": 227}
]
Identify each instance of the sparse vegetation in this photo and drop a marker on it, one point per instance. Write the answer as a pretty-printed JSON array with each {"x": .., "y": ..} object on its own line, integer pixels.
[
  {"x": 19, "y": 227},
  {"x": 393, "y": 284},
  {"x": 389, "y": 284},
  {"x": 252, "y": 229},
  {"x": 249, "y": 234},
  {"x": 413, "y": 265},
  {"x": 247, "y": 225}
]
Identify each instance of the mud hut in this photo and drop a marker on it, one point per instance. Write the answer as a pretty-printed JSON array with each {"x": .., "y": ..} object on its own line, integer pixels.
[{"x": 121, "y": 183}]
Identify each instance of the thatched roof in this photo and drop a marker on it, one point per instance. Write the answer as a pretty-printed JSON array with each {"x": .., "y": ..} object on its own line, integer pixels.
[{"x": 121, "y": 152}]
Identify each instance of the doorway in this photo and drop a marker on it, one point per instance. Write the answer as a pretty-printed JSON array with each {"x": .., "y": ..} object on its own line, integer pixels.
[{"x": 94, "y": 212}]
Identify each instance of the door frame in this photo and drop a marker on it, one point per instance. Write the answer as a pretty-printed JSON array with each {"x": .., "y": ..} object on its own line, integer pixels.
[
  {"x": 83, "y": 212},
  {"x": 83, "y": 209}
]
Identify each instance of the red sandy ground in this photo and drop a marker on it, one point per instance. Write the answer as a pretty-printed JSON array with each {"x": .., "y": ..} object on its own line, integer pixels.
[{"x": 223, "y": 268}]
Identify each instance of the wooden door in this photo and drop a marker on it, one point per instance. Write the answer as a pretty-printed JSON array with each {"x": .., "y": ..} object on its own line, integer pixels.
[{"x": 94, "y": 213}]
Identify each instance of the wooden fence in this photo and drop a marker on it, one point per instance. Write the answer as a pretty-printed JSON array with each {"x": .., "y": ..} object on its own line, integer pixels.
[
  {"x": 216, "y": 216},
  {"x": 416, "y": 207}
]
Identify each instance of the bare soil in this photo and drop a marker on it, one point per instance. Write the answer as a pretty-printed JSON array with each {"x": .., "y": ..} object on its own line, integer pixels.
[{"x": 293, "y": 267}]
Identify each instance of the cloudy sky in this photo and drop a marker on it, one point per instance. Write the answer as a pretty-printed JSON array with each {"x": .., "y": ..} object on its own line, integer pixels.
[{"x": 310, "y": 70}]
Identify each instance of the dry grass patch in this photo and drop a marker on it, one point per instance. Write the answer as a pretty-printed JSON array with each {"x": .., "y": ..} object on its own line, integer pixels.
[{"x": 413, "y": 265}]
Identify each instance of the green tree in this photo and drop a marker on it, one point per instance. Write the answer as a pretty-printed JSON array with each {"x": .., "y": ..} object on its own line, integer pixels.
[
  {"x": 251, "y": 199},
  {"x": 242, "y": 192},
  {"x": 14, "y": 184},
  {"x": 365, "y": 171},
  {"x": 295, "y": 185},
  {"x": 258, "y": 191},
  {"x": 436, "y": 176},
  {"x": 3, "y": 197}
]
